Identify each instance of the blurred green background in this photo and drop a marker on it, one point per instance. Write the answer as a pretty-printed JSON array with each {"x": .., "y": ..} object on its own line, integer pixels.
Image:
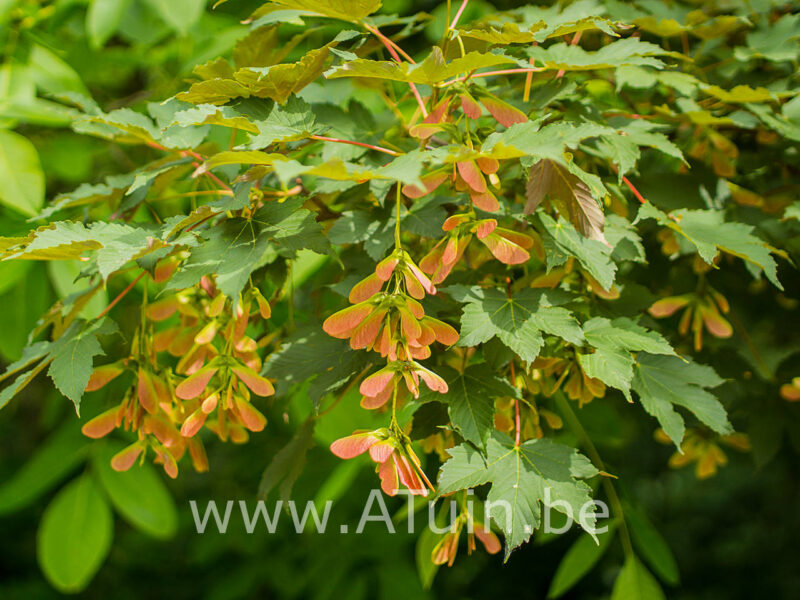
[{"x": 733, "y": 536}]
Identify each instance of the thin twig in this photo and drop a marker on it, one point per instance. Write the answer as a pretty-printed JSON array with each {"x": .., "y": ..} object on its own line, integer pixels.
[
  {"x": 323, "y": 138},
  {"x": 390, "y": 47},
  {"x": 576, "y": 38},
  {"x": 121, "y": 295},
  {"x": 458, "y": 15},
  {"x": 490, "y": 74}
]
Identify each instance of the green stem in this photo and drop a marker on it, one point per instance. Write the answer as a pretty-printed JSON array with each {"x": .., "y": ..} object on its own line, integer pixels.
[
  {"x": 611, "y": 492},
  {"x": 397, "y": 243}
]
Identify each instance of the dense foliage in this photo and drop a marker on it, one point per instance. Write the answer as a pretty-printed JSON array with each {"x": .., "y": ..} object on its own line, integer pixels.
[{"x": 482, "y": 247}]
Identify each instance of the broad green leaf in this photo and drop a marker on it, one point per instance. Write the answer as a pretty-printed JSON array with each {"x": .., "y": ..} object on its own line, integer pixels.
[
  {"x": 430, "y": 71},
  {"x": 645, "y": 133},
  {"x": 279, "y": 82},
  {"x": 53, "y": 460},
  {"x": 740, "y": 94},
  {"x": 624, "y": 333},
  {"x": 235, "y": 157},
  {"x": 635, "y": 582},
  {"x": 310, "y": 353},
  {"x": 74, "y": 535},
  {"x": 23, "y": 305},
  {"x": 115, "y": 244},
  {"x": 508, "y": 33},
  {"x": 624, "y": 239},
  {"x": 231, "y": 250},
  {"x": 138, "y": 494},
  {"x": 578, "y": 561},
  {"x": 292, "y": 227},
  {"x": 594, "y": 256},
  {"x": 72, "y": 355},
  {"x": 652, "y": 546},
  {"x": 550, "y": 141},
  {"x": 405, "y": 169},
  {"x": 102, "y": 20},
  {"x": 344, "y": 10},
  {"x": 293, "y": 121},
  {"x": 64, "y": 276},
  {"x": 21, "y": 174},
  {"x": 288, "y": 463},
  {"x": 614, "y": 341},
  {"x": 52, "y": 74},
  {"x": 772, "y": 40},
  {"x": 181, "y": 15},
  {"x": 470, "y": 400},
  {"x": 628, "y": 51},
  {"x": 518, "y": 321},
  {"x": 664, "y": 382},
  {"x": 208, "y": 114},
  {"x": 709, "y": 233},
  {"x": 522, "y": 477},
  {"x": 426, "y": 568}
]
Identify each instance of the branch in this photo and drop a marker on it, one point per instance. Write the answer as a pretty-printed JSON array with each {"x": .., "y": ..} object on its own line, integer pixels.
[
  {"x": 390, "y": 46},
  {"x": 322, "y": 138}
]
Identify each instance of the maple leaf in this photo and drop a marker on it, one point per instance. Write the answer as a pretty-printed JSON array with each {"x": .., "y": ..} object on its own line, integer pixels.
[
  {"x": 538, "y": 471},
  {"x": 571, "y": 197}
]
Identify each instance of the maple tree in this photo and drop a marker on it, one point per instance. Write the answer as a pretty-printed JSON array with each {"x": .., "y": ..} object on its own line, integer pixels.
[{"x": 499, "y": 244}]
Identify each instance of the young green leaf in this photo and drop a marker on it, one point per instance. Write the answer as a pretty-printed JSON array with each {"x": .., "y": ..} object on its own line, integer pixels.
[
  {"x": 537, "y": 471},
  {"x": 663, "y": 382},
  {"x": 74, "y": 535},
  {"x": 56, "y": 458},
  {"x": 635, "y": 582},
  {"x": 578, "y": 561},
  {"x": 21, "y": 173},
  {"x": 138, "y": 494}
]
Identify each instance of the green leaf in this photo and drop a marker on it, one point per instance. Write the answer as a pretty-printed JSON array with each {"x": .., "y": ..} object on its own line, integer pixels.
[
  {"x": 551, "y": 141},
  {"x": 52, "y": 74},
  {"x": 23, "y": 305},
  {"x": 102, "y": 20},
  {"x": 426, "y": 568},
  {"x": 74, "y": 535},
  {"x": 287, "y": 465},
  {"x": 635, "y": 582},
  {"x": 628, "y": 51},
  {"x": 652, "y": 546},
  {"x": 53, "y": 460},
  {"x": 622, "y": 236},
  {"x": 310, "y": 353},
  {"x": 509, "y": 33},
  {"x": 710, "y": 234},
  {"x": 578, "y": 561},
  {"x": 292, "y": 227},
  {"x": 518, "y": 321},
  {"x": 208, "y": 114},
  {"x": 138, "y": 494},
  {"x": 181, "y": 15},
  {"x": 232, "y": 250},
  {"x": 344, "y": 10},
  {"x": 235, "y": 248},
  {"x": 470, "y": 400},
  {"x": 537, "y": 471},
  {"x": 72, "y": 355},
  {"x": 430, "y": 71},
  {"x": 663, "y": 382},
  {"x": 624, "y": 333},
  {"x": 21, "y": 173},
  {"x": 279, "y": 82},
  {"x": 594, "y": 256},
  {"x": 291, "y": 122}
]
